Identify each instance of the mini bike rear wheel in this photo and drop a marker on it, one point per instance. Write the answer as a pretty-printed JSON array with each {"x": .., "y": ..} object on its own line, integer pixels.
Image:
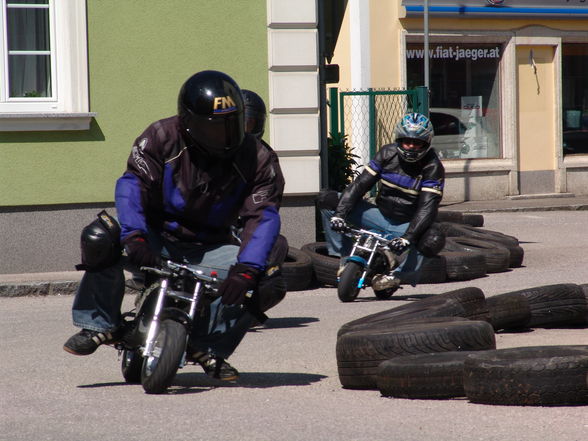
[
  {"x": 159, "y": 369},
  {"x": 347, "y": 289},
  {"x": 131, "y": 365}
]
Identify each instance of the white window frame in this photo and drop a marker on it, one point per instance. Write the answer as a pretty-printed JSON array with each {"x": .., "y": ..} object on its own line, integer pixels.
[{"x": 68, "y": 107}]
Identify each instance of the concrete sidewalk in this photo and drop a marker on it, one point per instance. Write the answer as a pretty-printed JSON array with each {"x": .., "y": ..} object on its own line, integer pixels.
[
  {"x": 39, "y": 284},
  {"x": 539, "y": 202},
  {"x": 14, "y": 285}
]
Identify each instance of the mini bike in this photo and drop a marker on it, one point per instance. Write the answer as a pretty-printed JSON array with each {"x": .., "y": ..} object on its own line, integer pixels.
[
  {"x": 158, "y": 328},
  {"x": 370, "y": 258}
]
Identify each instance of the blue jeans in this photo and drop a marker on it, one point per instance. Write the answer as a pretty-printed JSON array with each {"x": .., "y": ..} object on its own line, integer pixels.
[
  {"x": 368, "y": 216},
  {"x": 99, "y": 297}
]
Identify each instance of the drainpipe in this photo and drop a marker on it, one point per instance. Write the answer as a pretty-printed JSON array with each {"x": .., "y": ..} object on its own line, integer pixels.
[
  {"x": 426, "y": 43},
  {"x": 324, "y": 150}
]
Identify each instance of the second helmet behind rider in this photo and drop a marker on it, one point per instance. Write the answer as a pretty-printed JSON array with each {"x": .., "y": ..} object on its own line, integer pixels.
[{"x": 255, "y": 113}]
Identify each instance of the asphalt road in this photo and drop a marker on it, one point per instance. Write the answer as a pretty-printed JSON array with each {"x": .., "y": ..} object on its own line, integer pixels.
[{"x": 289, "y": 388}]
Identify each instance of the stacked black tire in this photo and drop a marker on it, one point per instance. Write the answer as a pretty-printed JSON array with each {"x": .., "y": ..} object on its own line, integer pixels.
[
  {"x": 444, "y": 346},
  {"x": 470, "y": 252},
  {"x": 297, "y": 270}
]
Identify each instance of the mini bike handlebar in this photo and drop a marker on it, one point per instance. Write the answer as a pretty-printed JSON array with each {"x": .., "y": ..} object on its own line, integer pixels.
[
  {"x": 355, "y": 232},
  {"x": 173, "y": 269}
]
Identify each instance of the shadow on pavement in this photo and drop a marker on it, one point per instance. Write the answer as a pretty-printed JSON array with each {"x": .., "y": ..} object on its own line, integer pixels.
[
  {"x": 287, "y": 322},
  {"x": 194, "y": 382},
  {"x": 394, "y": 297}
]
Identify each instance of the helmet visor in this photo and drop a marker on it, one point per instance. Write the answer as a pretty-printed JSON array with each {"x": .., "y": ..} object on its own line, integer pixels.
[
  {"x": 412, "y": 149},
  {"x": 254, "y": 123},
  {"x": 219, "y": 136}
]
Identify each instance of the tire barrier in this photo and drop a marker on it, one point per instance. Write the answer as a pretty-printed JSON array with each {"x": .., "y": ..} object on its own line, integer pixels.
[
  {"x": 433, "y": 270},
  {"x": 554, "y": 306},
  {"x": 450, "y": 216},
  {"x": 423, "y": 376},
  {"x": 497, "y": 256},
  {"x": 508, "y": 311},
  {"x": 453, "y": 229},
  {"x": 359, "y": 353},
  {"x": 467, "y": 303},
  {"x": 325, "y": 267},
  {"x": 297, "y": 270},
  {"x": 443, "y": 346},
  {"x": 531, "y": 376},
  {"x": 475, "y": 220},
  {"x": 464, "y": 265},
  {"x": 493, "y": 237}
]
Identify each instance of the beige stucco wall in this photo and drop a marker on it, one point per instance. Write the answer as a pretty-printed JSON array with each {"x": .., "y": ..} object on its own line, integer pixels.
[
  {"x": 536, "y": 98},
  {"x": 386, "y": 47},
  {"x": 342, "y": 55}
]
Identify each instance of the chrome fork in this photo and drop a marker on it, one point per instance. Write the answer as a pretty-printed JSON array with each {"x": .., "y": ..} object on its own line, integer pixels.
[{"x": 154, "y": 326}]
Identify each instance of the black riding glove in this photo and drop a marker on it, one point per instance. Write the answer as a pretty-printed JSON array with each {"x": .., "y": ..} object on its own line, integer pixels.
[
  {"x": 337, "y": 224},
  {"x": 241, "y": 279},
  {"x": 139, "y": 252},
  {"x": 399, "y": 245}
]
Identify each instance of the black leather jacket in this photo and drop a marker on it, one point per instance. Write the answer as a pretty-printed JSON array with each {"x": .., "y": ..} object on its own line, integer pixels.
[{"x": 407, "y": 191}]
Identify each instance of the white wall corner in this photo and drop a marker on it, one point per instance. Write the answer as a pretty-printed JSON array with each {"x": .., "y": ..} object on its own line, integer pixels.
[
  {"x": 294, "y": 92},
  {"x": 301, "y": 174},
  {"x": 295, "y": 133},
  {"x": 293, "y": 49},
  {"x": 292, "y": 13}
]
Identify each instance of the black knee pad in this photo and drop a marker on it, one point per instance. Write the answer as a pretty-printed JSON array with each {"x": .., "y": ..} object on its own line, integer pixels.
[
  {"x": 432, "y": 241},
  {"x": 100, "y": 243}
]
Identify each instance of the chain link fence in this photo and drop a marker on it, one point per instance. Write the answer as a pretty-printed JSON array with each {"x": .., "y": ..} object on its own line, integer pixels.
[{"x": 368, "y": 117}]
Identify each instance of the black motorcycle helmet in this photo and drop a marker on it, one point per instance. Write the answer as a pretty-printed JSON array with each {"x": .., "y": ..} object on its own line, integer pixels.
[
  {"x": 255, "y": 113},
  {"x": 210, "y": 107}
]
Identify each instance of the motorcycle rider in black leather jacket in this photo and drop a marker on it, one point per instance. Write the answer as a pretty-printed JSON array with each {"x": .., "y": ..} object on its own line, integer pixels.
[{"x": 410, "y": 180}]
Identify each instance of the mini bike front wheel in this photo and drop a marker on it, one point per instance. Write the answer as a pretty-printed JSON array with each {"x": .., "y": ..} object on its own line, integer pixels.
[
  {"x": 159, "y": 369},
  {"x": 347, "y": 288}
]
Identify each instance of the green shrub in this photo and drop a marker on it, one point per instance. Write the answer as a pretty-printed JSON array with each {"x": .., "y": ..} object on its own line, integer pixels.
[{"x": 342, "y": 162}]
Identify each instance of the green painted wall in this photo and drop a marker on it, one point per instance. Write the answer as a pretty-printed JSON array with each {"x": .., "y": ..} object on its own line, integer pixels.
[{"x": 140, "y": 52}]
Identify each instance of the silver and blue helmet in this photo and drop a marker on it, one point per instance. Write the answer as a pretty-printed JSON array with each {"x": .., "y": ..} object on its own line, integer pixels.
[{"x": 414, "y": 126}]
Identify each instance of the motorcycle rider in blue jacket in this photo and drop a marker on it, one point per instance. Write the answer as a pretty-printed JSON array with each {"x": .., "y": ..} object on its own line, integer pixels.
[{"x": 189, "y": 177}]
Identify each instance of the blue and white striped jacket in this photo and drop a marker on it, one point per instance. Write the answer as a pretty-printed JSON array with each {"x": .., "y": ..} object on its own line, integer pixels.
[{"x": 407, "y": 191}]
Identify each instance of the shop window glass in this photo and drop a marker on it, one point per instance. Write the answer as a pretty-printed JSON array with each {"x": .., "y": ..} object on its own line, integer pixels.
[
  {"x": 575, "y": 98},
  {"x": 464, "y": 99}
]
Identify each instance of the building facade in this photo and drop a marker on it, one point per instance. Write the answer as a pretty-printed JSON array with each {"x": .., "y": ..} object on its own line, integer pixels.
[
  {"x": 82, "y": 79},
  {"x": 508, "y": 86}
]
